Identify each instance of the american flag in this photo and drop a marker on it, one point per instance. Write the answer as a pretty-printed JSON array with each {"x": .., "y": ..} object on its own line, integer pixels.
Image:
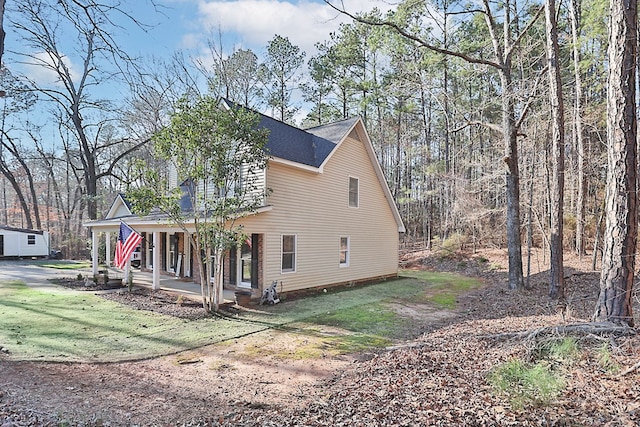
[{"x": 128, "y": 241}]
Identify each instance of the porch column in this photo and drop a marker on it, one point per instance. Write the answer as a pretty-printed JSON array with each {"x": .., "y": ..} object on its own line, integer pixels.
[
  {"x": 94, "y": 252},
  {"x": 156, "y": 261},
  {"x": 127, "y": 271},
  {"x": 107, "y": 235},
  {"x": 147, "y": 253}
]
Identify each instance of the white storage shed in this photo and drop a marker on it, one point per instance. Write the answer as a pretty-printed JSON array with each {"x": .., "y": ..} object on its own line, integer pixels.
[{"x": 22, "y": 242}]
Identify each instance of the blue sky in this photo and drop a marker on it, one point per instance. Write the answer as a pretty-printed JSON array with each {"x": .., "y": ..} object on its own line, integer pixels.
[
  {"x": 247, "y": 23},
  {"x": 186, "y": 25}
]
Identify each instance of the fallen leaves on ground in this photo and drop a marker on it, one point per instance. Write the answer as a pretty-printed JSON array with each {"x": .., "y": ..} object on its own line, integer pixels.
[{"x": 438, "y": 379}]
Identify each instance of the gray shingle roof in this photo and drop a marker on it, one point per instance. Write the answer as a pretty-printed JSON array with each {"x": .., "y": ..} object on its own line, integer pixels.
[
  {"x": 334, "y": 132},
  {"x": 290, "y": 143},
  {"x": 309, "y": 147}
]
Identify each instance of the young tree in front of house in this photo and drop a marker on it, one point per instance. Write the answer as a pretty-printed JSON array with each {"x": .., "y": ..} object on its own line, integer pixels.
[{"x": 220, "y": 155}]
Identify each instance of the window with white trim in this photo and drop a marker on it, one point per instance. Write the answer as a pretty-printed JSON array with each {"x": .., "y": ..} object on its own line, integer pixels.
[
  {"x": 288, "y": 253},
  {"x": 353, "y": 192},
  {"x": 344, "y": 251},
  {"x": 31, "y": 239}
]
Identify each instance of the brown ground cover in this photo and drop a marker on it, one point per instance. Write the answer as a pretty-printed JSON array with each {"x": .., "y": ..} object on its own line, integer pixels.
[{"x": 438, "y": 378}]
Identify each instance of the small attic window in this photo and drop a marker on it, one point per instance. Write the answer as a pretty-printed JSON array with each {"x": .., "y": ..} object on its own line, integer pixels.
[
  {"x": 31, "y": 239},
  {"x": 353, "y": 192}
]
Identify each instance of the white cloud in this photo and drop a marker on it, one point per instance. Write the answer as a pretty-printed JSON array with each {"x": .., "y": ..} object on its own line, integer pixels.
[
  {"x": 255, "y": 22},
  {"x": 40, "y": 69}
]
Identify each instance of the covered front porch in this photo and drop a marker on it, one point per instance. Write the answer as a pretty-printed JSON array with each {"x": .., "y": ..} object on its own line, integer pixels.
[
  {"x": 165, "y": 252},
  {"x": 186, "y": 288}
]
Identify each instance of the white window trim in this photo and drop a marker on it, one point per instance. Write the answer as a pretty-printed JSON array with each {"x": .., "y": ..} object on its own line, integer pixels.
[
  {"x": 349, "y": 192},
  {"x": 295, "y": 253},
  {"x": 348, "y": 257},
  {"x": 168, "y": 251}
]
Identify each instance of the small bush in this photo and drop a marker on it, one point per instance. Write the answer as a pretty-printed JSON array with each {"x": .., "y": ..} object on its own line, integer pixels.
[
  {"x": 606, "y": 360},
  {"x": 451, "y": 247},
  {"x": 564, "y": 350},
  {"x": 526, "y": 383}
]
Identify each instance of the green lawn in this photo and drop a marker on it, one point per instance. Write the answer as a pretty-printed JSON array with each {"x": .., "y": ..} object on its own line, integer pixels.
[
  {"x": 63, "y": 264},
  {"x": 79, "y": 326}
]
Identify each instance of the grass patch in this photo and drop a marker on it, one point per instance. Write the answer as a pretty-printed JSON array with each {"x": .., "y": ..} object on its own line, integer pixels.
[
  {"x": 563, "y": 350},
  {"x": 305, "y": 309},
  {"x": 371, "y": 319},
  {"x": 76, "y": 326},
  {"x": 354, "y": 343},
  {"x": 537, "y": 382},
  {"x": 66, "y": 325},
  {"x": 526, "y": 384},
  {"x": 371, "y": 326},
  {"x": 443, "y": 288},
  {"x": 606, "y": 359},
  {"x": 64, "y": 265},
  {"x": 444, "y": 299}
]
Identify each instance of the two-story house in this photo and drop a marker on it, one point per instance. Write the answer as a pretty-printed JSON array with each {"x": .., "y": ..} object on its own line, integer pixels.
[{"x": 329, "y": 217}]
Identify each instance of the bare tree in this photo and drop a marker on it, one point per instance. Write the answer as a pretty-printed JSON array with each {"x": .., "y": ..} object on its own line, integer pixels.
[
  {"x": 2, "y": 33},
  {"x": 13, "y": 160},
  {"x": 574, "y": 17},
  {"x": 556, "y": 283},
  {"x": 92, "y": 23},
  {"x": 621, "y": 230}
]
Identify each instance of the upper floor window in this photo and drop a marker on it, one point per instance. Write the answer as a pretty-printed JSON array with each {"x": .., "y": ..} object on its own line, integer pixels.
[
  {"x": 353, "y": 192},
  {"x": 288, "y": 253},
  {"x": 31, "y": 239}
]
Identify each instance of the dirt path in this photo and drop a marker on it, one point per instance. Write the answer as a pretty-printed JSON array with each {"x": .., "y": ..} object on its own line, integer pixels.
[{"x": 163, "y": 391}]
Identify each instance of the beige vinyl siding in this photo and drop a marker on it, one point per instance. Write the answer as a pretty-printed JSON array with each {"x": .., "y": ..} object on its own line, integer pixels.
[
  {"x": 172, "y": 176},
  {"x": 315, "y": 207},
  {"x": 255, "y": 178}
]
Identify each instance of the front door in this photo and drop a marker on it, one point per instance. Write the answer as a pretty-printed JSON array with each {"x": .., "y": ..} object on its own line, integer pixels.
[
  {"x": 245, "y": 264},
  {"x": 248, "y": 266}
]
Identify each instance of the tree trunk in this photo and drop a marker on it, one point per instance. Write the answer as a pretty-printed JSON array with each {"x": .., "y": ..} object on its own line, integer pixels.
[
  {"x": 530, "y": 216},
  {"x": 579, "y": 133},
  {"x": 621, "y": 230},
  {"x": 2, "y": 33},
  {"x": 556, "y": 282},
  {"x": 514, "y": 243},
  {"x": 19, "y": 194},
  {"x": 218, "y": 293}
]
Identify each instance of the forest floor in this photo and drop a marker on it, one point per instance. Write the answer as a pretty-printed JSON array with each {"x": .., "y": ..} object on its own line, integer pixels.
[{"x": 440, "y": 378}]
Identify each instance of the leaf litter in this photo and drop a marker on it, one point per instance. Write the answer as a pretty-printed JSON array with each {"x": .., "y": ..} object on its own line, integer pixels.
[{"x": 437, "y": 379}]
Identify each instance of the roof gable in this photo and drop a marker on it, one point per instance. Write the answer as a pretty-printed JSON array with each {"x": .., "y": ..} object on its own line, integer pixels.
[
  {"x": 355, "y": 129},
  {"x": 119, "y": 208},
  {"x": 334, "y": 132},
  {"x": 315, "y": 146}
]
